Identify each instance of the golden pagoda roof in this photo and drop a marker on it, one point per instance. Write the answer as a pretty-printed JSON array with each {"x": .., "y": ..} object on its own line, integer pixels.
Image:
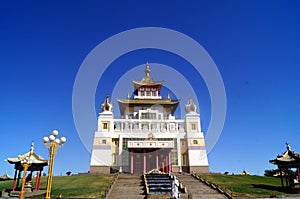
[{"x": 147, "y": 80}]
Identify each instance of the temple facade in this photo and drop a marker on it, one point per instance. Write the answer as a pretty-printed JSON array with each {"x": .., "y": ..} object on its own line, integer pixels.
[{"x": 147, "y": 135}]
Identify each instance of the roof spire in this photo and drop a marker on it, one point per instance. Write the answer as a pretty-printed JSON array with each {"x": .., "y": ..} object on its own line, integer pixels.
[
  {"x": 147, "y": 70},
  {"x": 32, "y": 147},
  {"x": 190, "y": 106},
  {"x": 107, "y": 105},
  {"x": 288, "y": 147}
]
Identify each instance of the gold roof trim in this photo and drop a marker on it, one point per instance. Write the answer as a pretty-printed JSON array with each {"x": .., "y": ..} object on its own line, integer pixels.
[{"x": 147, "y": 82}]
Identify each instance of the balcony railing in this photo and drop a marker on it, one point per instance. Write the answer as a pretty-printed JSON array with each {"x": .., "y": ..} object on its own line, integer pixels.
[{"x": 147, "y": 126}]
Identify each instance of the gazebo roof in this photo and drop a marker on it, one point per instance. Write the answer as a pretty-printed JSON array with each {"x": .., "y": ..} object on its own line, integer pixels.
[
  {"x": 36, "y": 160},
  {"x": 289, "y": 158}
]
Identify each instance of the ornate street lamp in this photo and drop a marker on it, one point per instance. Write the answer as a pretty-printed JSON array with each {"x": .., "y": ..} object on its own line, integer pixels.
[
  {"x": 52, "y": 143},
  {"x": 25, "y": 164}
]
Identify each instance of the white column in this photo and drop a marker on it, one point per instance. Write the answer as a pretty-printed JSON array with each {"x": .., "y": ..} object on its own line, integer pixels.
[
  {"x": 178, "y": 152},
  {"x": 120, "y": 152},
  {"x": 131, "y": 162}
]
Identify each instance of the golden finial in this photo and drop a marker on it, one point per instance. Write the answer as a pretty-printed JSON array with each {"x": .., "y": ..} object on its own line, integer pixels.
[{"x": 147, "y": 70}]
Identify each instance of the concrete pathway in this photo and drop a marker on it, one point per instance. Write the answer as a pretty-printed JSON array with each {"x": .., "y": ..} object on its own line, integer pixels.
[
  {"x": 127, "y": 186},
  {"x": 198, "y": 189}
]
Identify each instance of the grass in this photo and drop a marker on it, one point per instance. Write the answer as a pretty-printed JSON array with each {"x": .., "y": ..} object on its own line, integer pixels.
[
  {"x": 77, "y": 186},
  {"x": 96, "y": 186},
  {"x": 248, "y": 185}
]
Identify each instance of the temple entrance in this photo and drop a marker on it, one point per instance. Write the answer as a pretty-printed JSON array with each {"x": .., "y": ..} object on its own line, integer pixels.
[{"x": 147, "y": 155}]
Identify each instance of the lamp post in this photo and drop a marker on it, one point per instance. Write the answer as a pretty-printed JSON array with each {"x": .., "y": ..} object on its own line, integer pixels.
[
  {"x": 52, "y": 143},
  {"x": 25, "y": 164}
]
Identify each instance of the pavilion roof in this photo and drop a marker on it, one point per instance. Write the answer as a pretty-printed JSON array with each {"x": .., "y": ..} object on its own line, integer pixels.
[
  {"x": 34, "y": 158},
  {"x": 289, "y": 158},
  {"x": 29, "y": 156}
]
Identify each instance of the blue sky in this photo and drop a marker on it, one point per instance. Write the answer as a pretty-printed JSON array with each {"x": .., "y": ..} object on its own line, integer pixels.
[{"x": 255, "y": 45}]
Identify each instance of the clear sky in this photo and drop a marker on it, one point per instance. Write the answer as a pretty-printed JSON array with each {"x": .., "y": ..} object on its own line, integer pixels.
[{"x": 254, "y": 44}]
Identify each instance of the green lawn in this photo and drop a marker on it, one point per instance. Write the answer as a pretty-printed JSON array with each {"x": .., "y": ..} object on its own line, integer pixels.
[
  {"x": 95, "y": 186},
  {"x": 77, "y": 186},
  {"x": 248, "y": 185}
]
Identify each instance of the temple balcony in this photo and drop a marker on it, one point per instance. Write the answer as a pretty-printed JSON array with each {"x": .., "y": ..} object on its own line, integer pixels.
[{"x": 147, "y": 126}]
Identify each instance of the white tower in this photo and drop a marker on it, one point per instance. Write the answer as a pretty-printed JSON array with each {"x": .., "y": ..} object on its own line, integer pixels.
[
  {"x": 197, "y": 157},
  {"x": 102, "y": 146}
]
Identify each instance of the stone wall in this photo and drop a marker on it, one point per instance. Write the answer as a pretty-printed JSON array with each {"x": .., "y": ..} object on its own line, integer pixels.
[
  {"x": 199, "y": 169},
  {"x": 99, "y": 170}
]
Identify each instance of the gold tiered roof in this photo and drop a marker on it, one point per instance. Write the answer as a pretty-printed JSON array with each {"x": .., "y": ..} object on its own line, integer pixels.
[
  {"x": 147, "y": 80},
  {"x": 128, "y": 104}
]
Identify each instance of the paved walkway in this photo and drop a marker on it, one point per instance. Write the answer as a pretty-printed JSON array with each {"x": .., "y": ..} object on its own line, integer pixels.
[
  {"x": 127, "y": 186},
  {"x": 198, "y": 189}
]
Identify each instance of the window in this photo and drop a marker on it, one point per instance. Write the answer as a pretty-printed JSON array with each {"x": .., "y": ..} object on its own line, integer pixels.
[
  {"x": 147, "y": 93},
  {"x": 104, "y": 125},
  {"x": 148, "y": 116},
  {"x": 103, "y": 141},
  {"x": 193, "y": 126},
  {"x": 195, "y": 141},
  {"x": 153, "y": 93},
  {"x": 142, "y": 93}
]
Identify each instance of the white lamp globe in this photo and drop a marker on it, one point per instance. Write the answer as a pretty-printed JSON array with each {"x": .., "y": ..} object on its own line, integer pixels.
[
  {"x": 55, "y": 132},
  {"x": 63, "y": 139},
  {"x": 51, "y": 137},
  {"x": 45, "y": 139},
  {"x": 57, "y": 141}
]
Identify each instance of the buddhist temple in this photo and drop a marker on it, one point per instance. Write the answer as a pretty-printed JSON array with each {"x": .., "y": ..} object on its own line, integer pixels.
[{"x": 147, "y": 135}]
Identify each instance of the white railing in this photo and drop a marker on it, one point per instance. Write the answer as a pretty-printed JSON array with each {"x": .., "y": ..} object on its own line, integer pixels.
[{"x": 147, "y": 126}]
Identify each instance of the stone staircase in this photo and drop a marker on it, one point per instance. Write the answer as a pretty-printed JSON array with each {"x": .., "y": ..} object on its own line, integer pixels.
[
  {"x": 127, "y": 186},
  {"x": 158, "y": 183},
  {"x": 131, "y": 186},
  {"x": 197, "y": 189}
]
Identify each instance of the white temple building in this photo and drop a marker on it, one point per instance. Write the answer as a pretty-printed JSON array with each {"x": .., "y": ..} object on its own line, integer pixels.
[{"x": 147, "y": 136}]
